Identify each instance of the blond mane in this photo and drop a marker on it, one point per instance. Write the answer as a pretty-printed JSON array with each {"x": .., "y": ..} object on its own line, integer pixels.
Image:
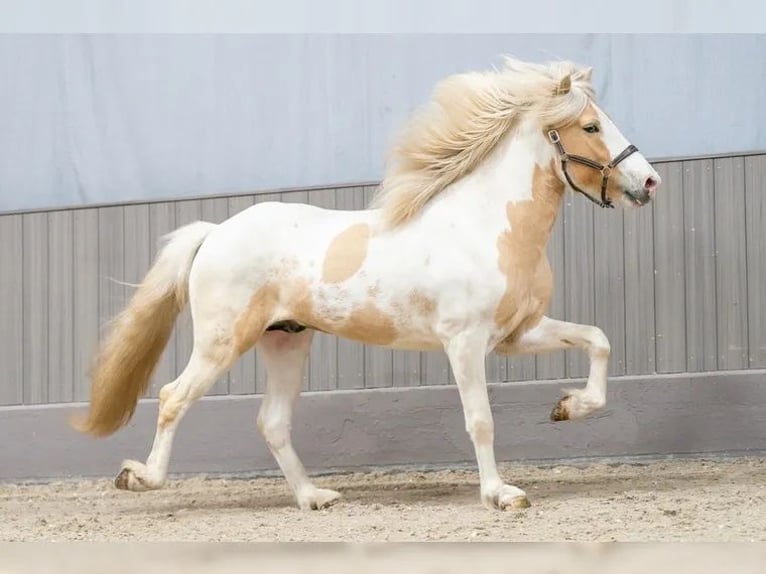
[{"x": 467, "y": 116}]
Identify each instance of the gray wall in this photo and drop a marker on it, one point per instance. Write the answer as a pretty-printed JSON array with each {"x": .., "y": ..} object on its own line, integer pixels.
[
  {"x": 111, "y": 118},
  {"x": 677, "y": 287}
]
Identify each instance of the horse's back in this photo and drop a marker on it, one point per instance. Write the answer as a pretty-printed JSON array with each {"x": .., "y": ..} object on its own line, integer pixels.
[
  {"x": 273, "y": 216},
  {"x": 268, "y": 233}
]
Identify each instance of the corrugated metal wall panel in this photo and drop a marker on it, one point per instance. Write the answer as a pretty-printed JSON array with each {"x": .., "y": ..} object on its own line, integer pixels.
[
  {"x": 755, "y": 216},
  {"x": 699, "y": 224},
  {"x": 60, "y": 281},
  {"x": 670, "y": 271},
  {"x": 731, "y": 263},
  {"x": 676, "y": 287},
  {"x": 85, "y": 326},
  {"x": 609, "y": 282},
  {"x": 34, "y": 347},
  {"x": 639, "y": 292},
  {"x": 11, "y": 310}
]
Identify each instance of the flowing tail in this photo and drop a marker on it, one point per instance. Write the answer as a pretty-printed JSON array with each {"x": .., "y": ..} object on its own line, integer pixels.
[{"x": 139, "y": 334}]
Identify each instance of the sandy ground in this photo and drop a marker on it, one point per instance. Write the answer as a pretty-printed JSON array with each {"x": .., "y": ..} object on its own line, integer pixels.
[{"x": 678, "y": 500}]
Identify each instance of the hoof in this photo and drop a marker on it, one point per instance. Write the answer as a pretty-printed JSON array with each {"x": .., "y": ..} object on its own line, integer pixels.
[
  {"x": 320, "y": 499},
  {"x": 122, "y": 480},
  {"x": 507, "y": 498},
  {"x": 561, "y": 412},
  {"x": 518, "y": 502},
  {"x": 133, "y": 477}
]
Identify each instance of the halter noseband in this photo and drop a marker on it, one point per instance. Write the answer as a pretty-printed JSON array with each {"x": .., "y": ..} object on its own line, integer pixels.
[{"x": 606, "y": 170}]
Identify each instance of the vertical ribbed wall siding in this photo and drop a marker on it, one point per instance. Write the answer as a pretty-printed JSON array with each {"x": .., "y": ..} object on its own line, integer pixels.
[{"x": 677, "y": 287}]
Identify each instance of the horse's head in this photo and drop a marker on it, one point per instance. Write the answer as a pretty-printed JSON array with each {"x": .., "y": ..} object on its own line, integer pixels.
[{"x": 596, "y": 159}]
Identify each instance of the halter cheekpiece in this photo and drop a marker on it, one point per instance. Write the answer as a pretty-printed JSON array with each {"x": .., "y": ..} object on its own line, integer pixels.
[{"x": 606, "y": 170}]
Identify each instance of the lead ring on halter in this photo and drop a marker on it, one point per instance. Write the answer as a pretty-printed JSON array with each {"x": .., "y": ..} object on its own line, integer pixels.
[{"x": 606, "y": 170}]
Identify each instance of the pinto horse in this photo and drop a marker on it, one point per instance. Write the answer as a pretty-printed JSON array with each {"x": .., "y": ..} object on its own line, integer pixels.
[{"x": 451, "y": 256}]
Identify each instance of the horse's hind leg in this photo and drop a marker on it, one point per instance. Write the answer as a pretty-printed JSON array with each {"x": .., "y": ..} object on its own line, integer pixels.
[
  {"x": 209, "y": 360},
  {"x": 285, "y": 355}
]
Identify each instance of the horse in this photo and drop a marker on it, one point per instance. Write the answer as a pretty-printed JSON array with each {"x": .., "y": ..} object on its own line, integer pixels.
[{"x": 449, "y": 256}]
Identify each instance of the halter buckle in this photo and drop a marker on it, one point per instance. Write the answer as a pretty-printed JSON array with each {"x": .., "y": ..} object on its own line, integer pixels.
[{"x": 553, "y": 136}]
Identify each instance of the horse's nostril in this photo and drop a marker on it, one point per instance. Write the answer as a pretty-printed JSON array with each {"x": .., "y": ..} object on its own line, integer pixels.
[{"x": 650, "y": 185}]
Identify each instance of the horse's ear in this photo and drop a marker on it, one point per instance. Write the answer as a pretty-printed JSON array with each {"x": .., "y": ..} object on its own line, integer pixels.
[
  {"x": 564, "y": 86},
  {"x": 586, "y": 74}
]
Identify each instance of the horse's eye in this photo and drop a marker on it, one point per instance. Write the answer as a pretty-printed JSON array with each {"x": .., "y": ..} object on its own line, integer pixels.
[{"x": 592, "y": 128}]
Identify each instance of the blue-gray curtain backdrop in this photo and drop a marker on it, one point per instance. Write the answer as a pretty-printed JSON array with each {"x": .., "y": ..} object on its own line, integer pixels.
[{"x": 110, "y": 118}]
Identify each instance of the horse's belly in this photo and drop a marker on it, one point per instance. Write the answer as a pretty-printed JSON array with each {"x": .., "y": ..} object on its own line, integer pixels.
[{"x": 369, "y": 320}]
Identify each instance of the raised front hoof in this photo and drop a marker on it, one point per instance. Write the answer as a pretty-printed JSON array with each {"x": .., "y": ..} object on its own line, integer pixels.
[
  {"x": 131, "y": 478},
  {"x": 507, "y": 498},
  {"x": 577, "y": 404},
  {"x": 561, "y": 411},
  {"x": 318, "y": 499}
]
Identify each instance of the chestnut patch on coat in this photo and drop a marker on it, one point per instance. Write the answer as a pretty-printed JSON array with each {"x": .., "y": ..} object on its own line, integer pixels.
[
  {"x": 521, "y": 253},
  {"x": 289, "y": 301},
  {"x": 257, "y": 316},
  {"x": 346, "y": 254},
  {"x": 369, "y": 324}
]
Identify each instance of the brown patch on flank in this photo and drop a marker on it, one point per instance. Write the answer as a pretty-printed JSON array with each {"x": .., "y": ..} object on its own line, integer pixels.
[
  {"x": 592, "y": 146},
  {"x": 346, "y": 254},
  {"x": 365, "y": 324},
  {"x": 370, "y": 325},
  {"x": 253, "y": 322},
  {"x": 301, "y": 302},
  {"x": 521, "y": 254},
  {"x": 294, "y": 297}
]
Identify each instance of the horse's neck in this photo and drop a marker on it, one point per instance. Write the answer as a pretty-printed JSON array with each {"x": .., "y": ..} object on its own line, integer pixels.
[{"x": 515, "y": 186}]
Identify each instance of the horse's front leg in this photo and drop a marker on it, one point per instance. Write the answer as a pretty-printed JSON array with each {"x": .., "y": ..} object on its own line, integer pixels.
[
  {"x": 466, "y": 353},
  {"x": 552, "y": 335}
]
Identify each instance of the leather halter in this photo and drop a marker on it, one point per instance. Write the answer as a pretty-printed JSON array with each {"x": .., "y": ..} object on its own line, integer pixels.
[{"x": 606, "y": 170}]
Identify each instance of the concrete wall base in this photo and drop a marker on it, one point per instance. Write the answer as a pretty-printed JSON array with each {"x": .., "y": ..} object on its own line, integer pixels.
[{"x": 708, "y": 413}]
